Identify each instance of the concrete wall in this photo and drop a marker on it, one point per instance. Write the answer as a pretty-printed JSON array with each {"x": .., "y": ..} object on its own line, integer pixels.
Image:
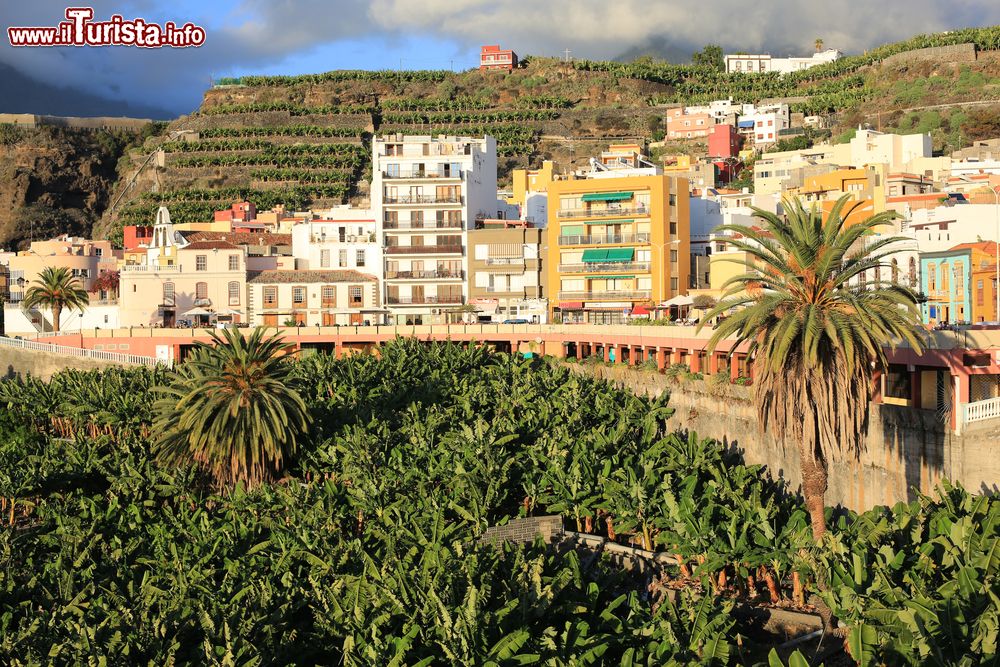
[
  {"x": 906, "y": 449},
  {"x": 550, "y": 528},
  {"x": 20, "y": 363}
]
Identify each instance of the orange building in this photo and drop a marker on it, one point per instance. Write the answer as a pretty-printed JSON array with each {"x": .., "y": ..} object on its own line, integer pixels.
[{"x": 688, "y": 126}]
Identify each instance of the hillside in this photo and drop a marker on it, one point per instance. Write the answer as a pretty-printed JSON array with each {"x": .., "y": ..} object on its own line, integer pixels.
[
  {"x": 55, "y": 180},
  {"x": 302, "y": 140}
]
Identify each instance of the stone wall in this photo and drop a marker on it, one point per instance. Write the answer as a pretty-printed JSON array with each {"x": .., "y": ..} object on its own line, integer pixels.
[
  {"x": 955, "y": 53},
  {"x": 16, "y": 362},
  {"x": 906, "y": 449},
  {"x": 550, "y": 528}
]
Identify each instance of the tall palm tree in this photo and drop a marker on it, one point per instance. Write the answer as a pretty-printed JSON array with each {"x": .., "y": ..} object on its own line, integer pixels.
[
  {"x": 230, "y": 409},
  {"x": 818, "y": 44},
  {"x": 56, "y": 289},
  {"x": 816, "y": 329}
]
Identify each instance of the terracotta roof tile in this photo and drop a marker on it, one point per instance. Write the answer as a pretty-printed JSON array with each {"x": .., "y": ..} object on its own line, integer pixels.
[
  {"x": 210, "y": 245},
  {"x": 241, "y": 238},
  {"x": 321, "y": 276}
]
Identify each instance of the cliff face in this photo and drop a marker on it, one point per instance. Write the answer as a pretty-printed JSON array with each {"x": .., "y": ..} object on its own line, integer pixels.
[{"x": 55, "y": 181}]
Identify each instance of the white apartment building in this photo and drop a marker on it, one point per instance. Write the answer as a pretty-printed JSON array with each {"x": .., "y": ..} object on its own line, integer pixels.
[
  {"x": 427, "y": 192},
  {"x": 339, "y": 238},
  {"x": 760, "y": 63},
  {"x": 768, "y": 121},
  {"x": 776, "y": 172},
  {"x": 944, "y": 227}
]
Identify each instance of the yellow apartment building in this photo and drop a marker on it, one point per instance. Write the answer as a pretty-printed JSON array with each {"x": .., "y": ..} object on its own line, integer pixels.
[{"x": 616, "y": 240}]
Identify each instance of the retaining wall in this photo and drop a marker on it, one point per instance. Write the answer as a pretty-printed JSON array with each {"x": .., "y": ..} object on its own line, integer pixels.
[
  {"x": 43, "y": 365},
  {"x": 906, "y": 451},
  {"x": 962, "y": 53}
]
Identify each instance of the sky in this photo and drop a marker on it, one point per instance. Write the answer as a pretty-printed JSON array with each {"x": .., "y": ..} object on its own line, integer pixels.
[{"x": 303, "y": 36}]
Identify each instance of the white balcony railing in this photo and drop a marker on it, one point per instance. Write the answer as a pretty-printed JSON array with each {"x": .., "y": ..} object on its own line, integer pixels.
[
  {"x": 151, "y": 268},
  {"x": 982, "y": 410},
  {"x": 129, "y": 359}
]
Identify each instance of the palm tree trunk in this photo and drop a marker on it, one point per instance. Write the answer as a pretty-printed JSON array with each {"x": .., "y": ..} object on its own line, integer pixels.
[
  {"x": 814, "y": 483},
  {"x": 56, "y": 314}
]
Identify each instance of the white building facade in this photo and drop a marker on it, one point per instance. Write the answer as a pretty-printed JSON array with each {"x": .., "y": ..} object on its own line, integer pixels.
[
  {"x": 427, "y": 192},
  {"x": 339, "y": 238},
  {"x": 762, "y": 63}
]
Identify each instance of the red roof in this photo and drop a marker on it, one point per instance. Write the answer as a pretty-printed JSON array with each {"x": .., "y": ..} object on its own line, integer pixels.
[
  {"x": 988, "y": 247},
  {"x": 241, "y": 238},
  {"x": 210, "y": 245},
  {"x": 640, "y": 310}
]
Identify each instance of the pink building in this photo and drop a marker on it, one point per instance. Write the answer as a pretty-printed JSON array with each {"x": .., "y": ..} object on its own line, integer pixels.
[
  {"x": 241, "y": 211},
  {"x": 688, "y": 126}
]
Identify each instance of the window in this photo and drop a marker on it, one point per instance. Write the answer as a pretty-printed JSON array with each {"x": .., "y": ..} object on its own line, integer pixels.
[
  {"x": 342, "y": 258},
  {"x": 391, "y": 219},
  {"x": 391, "y": 169},
  {"x": 168, "y": 294},
  {"x": 673, "y": 284},
  {"x": 298, "y": 295},
  {"x": 895, "y": 272},
  {"x": 234, "y": 293},
  {"x": 324, "y": 259},
  {"x": 201, "y": 263},
  {"x": 979, "y": 293},
  {"x": 329, "y": 295},
  {"x": 271, "y": 296},
  {"x": 354, "y": 293},
  {"x": 931, "y": 277},
  {"x": 201, "y": 291},
  {"x": 234, "y": 262},
  {"x": 360, "y": 258},
  {"x": 913, "y": 273},
  {"x": 673, "y": 256}
]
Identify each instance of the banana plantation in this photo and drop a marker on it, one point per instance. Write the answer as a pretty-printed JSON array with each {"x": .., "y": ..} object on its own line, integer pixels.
[{"x": 366, "y": 549}]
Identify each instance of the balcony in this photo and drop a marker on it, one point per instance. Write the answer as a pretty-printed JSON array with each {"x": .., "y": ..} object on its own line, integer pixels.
[
  {"x": 421, "y": 174},
  {"x": 151, "y": 268},
  {"x": 627, "y": 295},
  {"x": 619, "y": 212},
  {"x": 505, "y": 261},
  {"x": 422, "y": 199},
  {"x": 426, "y": 225},
  {"x": 450, "y": 299},
  {"x": 350, "y": 238},
  {"x": 424, "y": 275},
  {"x": 611, "y": 239},
  {"x": 604, "y": 267},
  {"x": 423, "y": 250}
]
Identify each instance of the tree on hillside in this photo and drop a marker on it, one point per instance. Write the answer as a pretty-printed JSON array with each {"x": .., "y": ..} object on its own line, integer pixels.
[
  {"x": 814, "y": 334},
  {"x": 710, "y": 56},
  {"x": 230, "y": 409},
  {"x": 818, "y": 44},
  {"x": 56, "y": 289}
]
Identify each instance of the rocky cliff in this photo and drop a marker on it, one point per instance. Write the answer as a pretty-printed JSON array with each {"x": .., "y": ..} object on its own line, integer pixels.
[{"x": 55, "y": 180}]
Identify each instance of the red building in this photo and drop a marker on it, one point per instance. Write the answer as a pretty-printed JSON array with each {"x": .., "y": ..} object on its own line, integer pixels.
[
  {"x": 724, "y": 142},
  {"x": 493, "y": 57},
  {"x": 241, "y": 211},
  {"x": 136, "y": 236}
]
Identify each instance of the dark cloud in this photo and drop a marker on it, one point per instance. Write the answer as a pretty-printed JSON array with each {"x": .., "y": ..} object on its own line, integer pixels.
[{"x": 248, "y": 35}]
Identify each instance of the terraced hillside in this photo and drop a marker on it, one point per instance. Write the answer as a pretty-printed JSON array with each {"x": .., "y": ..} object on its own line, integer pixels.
[{"x": 303, "y": 140}]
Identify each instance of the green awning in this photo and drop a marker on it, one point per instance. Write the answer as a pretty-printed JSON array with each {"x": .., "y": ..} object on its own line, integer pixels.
[
  {"x": 595, "y": 255},
  {"x": 610, "y": 222},
  {"x": 614, "y": 278},
  {"x": 606, "y": 196},
  {"x": 620, "y": 255},
  {"x": 572, "y": 230}
]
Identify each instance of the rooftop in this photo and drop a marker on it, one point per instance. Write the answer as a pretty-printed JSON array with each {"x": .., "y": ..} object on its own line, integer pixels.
[
  {"x": 240, "y": 238},
  {"x": 271, "y": 277},
  {"x": 210, "y": 245}
]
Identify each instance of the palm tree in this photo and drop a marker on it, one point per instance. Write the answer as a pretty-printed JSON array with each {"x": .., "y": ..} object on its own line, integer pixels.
[
  {"x": 816, "y": 329},
  {"x": 56, "y": 288},
  {"x": 818, "y": 44},
  {"x": 230, "y": 409}
]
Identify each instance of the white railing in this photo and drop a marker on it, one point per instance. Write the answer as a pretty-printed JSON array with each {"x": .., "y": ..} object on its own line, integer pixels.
[
  {"x": 980, "y": 410},
  {"x": 151, "y": 268},
  {"x": 117, "y": 357}
]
